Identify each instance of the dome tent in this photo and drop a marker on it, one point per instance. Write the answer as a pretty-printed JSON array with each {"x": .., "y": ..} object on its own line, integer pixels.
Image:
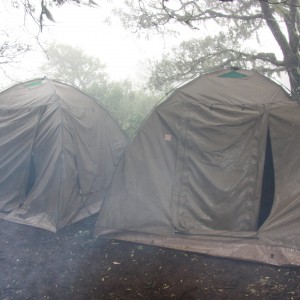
[
  {"x": 213, "y": 169},
  {"x": 58, "y": 151}
]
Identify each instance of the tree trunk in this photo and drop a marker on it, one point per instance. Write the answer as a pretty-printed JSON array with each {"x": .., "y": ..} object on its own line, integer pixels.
[
  {"x": 292, "y": 65},
  {"x": 289, "y": 47}
]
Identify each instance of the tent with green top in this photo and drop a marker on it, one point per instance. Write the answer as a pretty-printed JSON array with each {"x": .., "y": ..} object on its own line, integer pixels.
[
  {"x": 58, "y": 151},
  {"x": 214, "y": 169}
]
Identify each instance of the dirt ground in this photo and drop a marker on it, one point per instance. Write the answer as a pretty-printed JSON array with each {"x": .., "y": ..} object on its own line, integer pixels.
[{"x": 72, "y": 264}]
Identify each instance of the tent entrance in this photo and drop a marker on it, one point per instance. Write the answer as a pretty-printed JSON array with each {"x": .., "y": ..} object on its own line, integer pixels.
[
  {"x": 31, "y": 176},
  {"x": 268, "y": 185},
  {"x": 214, "y": 187}
]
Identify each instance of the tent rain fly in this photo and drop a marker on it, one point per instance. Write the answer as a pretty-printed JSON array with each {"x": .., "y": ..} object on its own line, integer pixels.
[
  {"x": 59, "y": 149},
  {"x": 213, "y": 169}
]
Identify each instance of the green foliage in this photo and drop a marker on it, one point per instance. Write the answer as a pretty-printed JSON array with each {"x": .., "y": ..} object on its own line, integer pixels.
[
  {"x": 128, "y": 105},
  {"x": 196, "y": 56},
  {"x": 71, "y": 65}
]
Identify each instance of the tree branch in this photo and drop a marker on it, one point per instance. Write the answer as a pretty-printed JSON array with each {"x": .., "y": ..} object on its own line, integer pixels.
[
  {"x": 285, "y": 2},
  {"x": 266, "y": 57},
  {"x": 202, "y": 15}
]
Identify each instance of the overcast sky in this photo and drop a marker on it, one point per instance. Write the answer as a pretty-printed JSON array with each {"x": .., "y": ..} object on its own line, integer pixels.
[
  {"x": 121, "y": 51},
  {"x": 82, "y": 26}
]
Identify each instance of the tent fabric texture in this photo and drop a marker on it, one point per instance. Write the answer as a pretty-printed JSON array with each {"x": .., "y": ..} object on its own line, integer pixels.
[
  {"x": 58, "y": 151},
  {"x": 213, "y": 169}
]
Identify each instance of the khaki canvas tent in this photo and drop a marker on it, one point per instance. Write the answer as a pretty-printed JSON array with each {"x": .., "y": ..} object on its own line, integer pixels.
[
  {"x": 58, "y": 151},
  {"x": 214, "y": 169}
]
